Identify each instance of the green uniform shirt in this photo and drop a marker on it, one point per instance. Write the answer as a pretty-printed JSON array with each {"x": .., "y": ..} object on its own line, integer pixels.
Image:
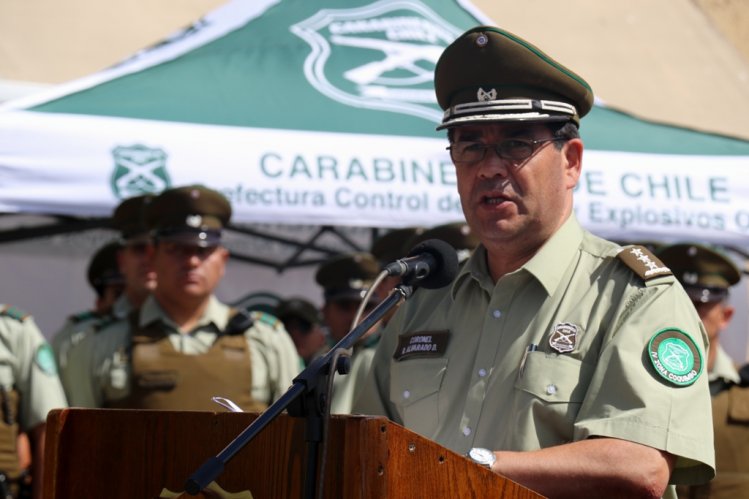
[
  {"x": 73, "y": 360},
  {"x": 347, "y": 387},
  {"x": 471, "y": 392},
  {"x": 723, "y": 367},
  {"x": 27, "y": 365},
  {"x": 274, "y": 359}
]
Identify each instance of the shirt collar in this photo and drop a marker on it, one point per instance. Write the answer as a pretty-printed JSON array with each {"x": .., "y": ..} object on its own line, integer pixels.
[
  {"x": 215, "y": 313},
  {"x": 548, "y": 265}
]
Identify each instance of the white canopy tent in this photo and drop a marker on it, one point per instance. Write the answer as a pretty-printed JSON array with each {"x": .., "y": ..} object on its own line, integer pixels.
[{"x": 317, "y": 123}]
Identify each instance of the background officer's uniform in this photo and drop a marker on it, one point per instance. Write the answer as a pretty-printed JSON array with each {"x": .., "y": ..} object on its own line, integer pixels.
[
  {"x": 73, "y": 345},
  {"x": 145, "y": 361},
  {"x": 707, "y": 275},
  {"x": 102, "y": 271},
  {"x": 29, "y": 385},
  {"x": 345, "y": 280}
]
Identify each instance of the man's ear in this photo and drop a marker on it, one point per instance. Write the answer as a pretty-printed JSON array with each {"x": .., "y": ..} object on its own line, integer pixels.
[
  {"x": 728, "y": 311},
  {"x": 573, "y": 156}
]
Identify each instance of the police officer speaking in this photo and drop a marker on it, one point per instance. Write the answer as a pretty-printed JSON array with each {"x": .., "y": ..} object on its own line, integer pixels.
[{"x": 559, "y": 359}]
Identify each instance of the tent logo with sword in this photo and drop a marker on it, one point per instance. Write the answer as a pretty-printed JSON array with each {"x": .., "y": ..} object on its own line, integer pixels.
[
  {"x": 395, "y": 46},
  {"x": 139, "y": 169}
]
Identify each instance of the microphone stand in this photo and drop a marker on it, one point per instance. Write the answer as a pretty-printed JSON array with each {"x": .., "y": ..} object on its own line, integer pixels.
[{"x": 307, "y": 398}]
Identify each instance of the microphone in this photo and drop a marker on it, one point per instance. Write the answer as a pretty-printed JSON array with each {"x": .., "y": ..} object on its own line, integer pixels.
[{"x": 431, "y": 265}]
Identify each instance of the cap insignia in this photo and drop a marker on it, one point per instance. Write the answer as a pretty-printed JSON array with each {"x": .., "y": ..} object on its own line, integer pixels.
[
  {"x": 675, "y": 356},
  {"x": 484, "y": 96},
  {"x": 690, "y": 277},
  {"x": 564, "y": 337},
  {"x": 482, "y": 40},
  {"x": 193, "y": 220}
]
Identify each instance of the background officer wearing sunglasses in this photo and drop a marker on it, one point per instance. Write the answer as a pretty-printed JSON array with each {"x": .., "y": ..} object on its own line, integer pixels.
[
  {"x": 556, "y": 358},
  {"x": 707, "y": 274}
]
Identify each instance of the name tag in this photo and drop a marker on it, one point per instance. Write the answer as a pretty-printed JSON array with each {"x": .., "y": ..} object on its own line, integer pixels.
[{"x": 422, "y": 344}]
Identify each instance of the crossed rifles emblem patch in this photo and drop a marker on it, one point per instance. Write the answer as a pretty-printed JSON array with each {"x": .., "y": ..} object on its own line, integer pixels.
[{"x": 564, "y": 337}]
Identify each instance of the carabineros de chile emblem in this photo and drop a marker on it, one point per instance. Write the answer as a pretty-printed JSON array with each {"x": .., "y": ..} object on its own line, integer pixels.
[{"x": 675, "y": 357}]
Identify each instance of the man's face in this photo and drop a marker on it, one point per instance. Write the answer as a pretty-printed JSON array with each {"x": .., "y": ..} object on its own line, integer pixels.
[
  {"x": 136, "y": 267},
  {"x": 523, "y": 202},
  {"x": 339, "y": 316},
  {"x": 715, "y": 316},
  {"x": 187, "y": 271}
]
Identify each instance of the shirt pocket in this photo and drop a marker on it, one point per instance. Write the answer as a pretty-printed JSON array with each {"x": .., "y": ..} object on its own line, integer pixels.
[
  {"x": 415, "y": 389},
  {"x": 550, "y": 392}
]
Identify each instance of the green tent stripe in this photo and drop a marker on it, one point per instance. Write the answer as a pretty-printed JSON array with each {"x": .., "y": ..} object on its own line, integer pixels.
[
  {"x": 609, "y": 129},
  {"x": 253, "y": 77}
]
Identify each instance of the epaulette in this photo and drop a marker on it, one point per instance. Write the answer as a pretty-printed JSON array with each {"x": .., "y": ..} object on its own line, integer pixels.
[
  {"x": 266, "y": 318},
  {"x": 643, "y": 262},
  {"x": 83, "y": 316},
  {"x": 104, "y": 322},
  {"x": 13, "y": 313}
]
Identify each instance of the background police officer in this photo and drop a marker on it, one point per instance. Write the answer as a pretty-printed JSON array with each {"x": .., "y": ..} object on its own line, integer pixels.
[
  {"x": 29, "y": 389},
  {"x": 303, "y": 321},
  {"x": 133, "y": 261},
  {"x": 107, "y": 282},
  {"x": 183, "y": 346},
  {"x": 707, "y": 275},
  {"x": 345, "y": 281}
]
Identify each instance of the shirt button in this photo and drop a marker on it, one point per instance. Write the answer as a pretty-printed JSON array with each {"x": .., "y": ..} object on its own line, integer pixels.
[
  {"x": 466, "y": 431},
  {"x": 497, "y": 314},
  {"x": 551, "y": 389},
  {"x": 406, "y": 394},
  {"x": 482, "y": 373}
]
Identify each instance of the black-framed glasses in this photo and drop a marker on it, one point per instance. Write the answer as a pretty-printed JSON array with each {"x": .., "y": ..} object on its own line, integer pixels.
[{"x": 516, "y": 150}]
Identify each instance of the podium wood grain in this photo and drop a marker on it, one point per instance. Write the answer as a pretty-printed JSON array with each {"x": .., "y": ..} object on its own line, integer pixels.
[{"x": 107, "y": 453}]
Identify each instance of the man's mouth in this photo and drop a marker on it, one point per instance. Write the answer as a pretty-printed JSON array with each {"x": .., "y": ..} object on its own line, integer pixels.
[{"x": 493, "y": 199}]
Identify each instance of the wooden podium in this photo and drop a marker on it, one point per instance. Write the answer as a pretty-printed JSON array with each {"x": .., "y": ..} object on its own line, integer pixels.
[{"x": 103, "y": 454}]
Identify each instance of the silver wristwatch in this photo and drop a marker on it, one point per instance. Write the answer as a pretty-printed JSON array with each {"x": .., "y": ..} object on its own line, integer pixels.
[{"x": 482, "y": 456}]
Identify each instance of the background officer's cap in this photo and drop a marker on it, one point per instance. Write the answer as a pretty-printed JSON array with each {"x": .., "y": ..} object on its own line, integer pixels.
[
  {"x": 191, "y": 215},
  {"x": 347, "y": 277},
  {"x": 103, "y": 269},
  {"x": 705, "y": 272},
  {"x": 489, "y": 74},
  {"x": 129, "y": 219},
  {"x": 457, "y": 234},
  {"x": 395, "y": 244},
  {"x": 299, "y": 308}
]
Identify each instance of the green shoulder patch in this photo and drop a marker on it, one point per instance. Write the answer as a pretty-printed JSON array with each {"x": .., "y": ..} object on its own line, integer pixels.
[
  {"x": 643, "y": 262},
  {"x": 13, "y": 313},
  {"x": 675, "y": 356},
  {"x": 266, "y": 318},
  {"x": 45, "y": 359}
]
